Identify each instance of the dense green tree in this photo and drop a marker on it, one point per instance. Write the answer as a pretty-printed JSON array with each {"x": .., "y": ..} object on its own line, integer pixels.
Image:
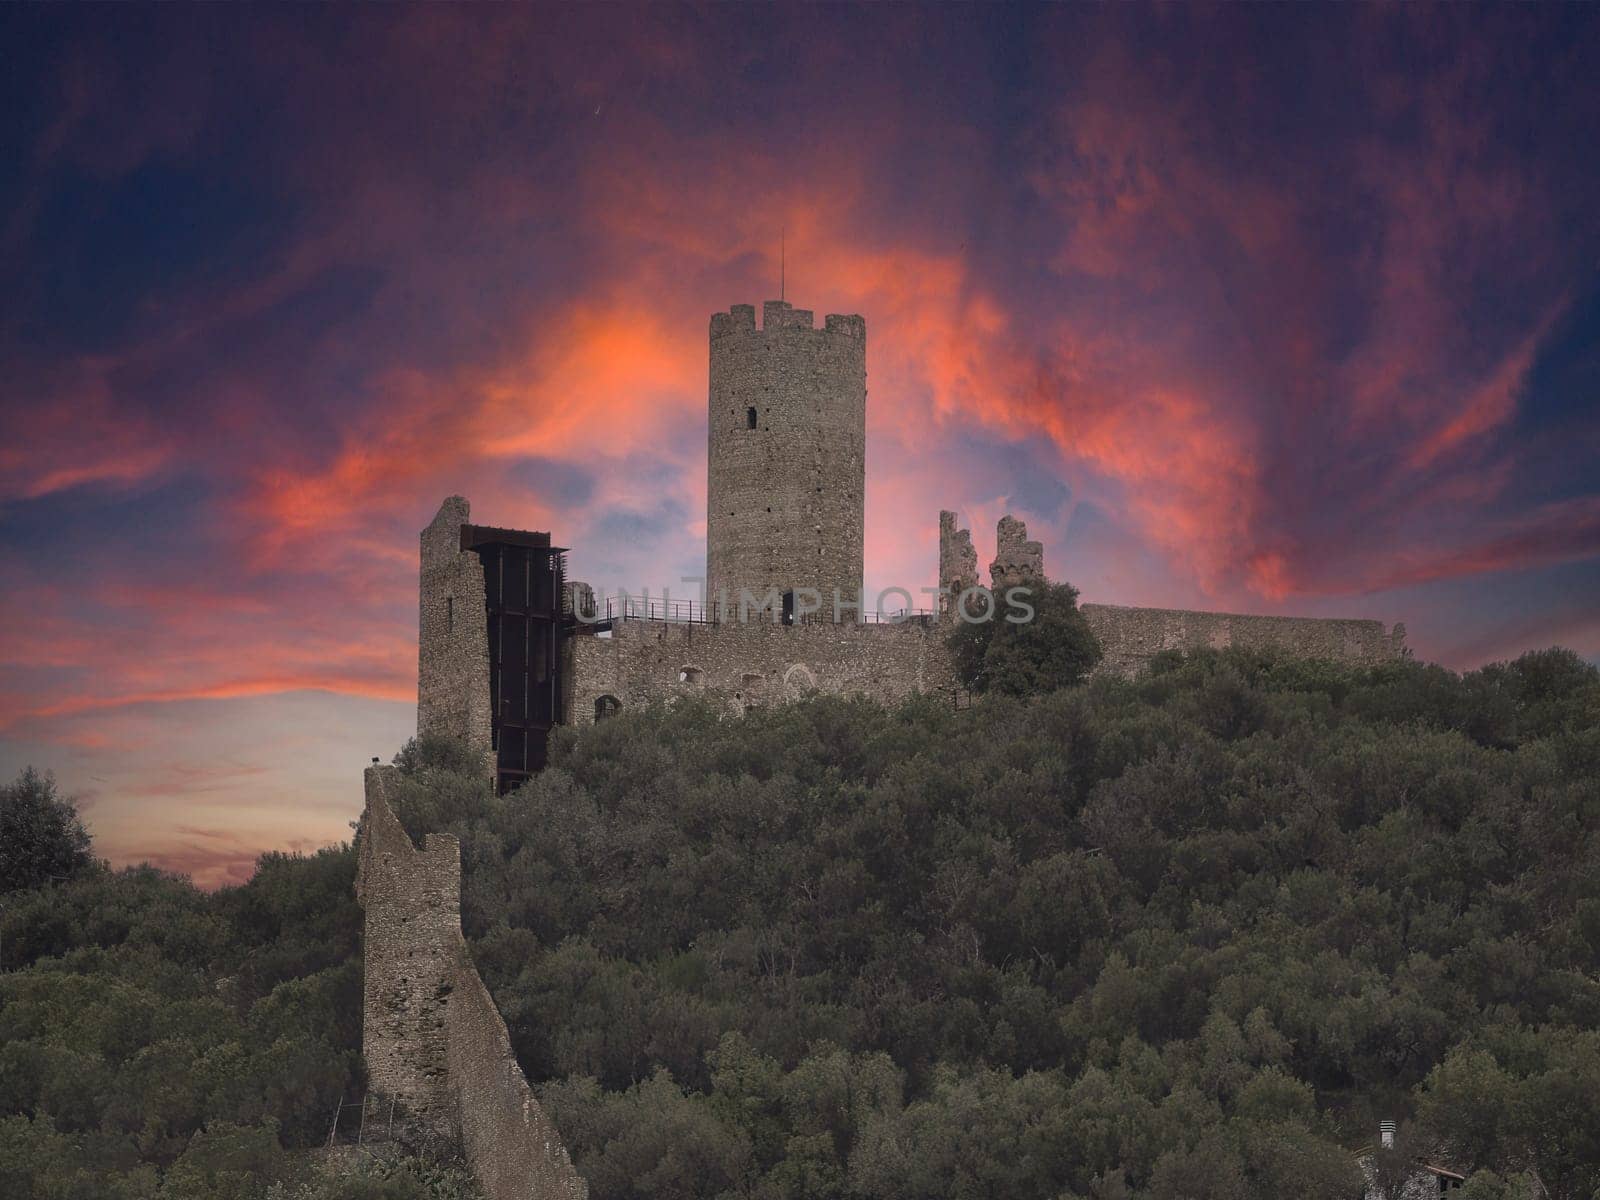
[
  {"x": 41, "y": 838},
  {"x": 1026, "y": 651},
  {"x": 1190, "y": 934},
  {"x": 138, "y": 1013}
]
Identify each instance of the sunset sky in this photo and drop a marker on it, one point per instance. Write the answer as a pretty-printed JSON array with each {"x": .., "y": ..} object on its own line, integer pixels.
[{"x": 1266, "y": 309}]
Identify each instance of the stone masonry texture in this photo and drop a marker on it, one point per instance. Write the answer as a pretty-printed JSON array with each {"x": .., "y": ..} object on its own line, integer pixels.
[
  {"x": 1016, "y": 559},
  {"x": 958, "y": 562},
  {"x": 432, "y": 1038},
  {"x": 411, "y": 901},
  {"x": 453, "y": 635},
  {"x": 1130, "y": 637},
  {"x": 786, "y": 452},
  {"x": 757, "y": 662}
]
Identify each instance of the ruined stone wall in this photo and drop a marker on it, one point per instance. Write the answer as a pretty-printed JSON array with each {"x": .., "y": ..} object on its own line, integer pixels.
[
  {"x": 514, "y": 1150},
  {"x": 785, "y": 500},
  {"x": 1130, "y": 637},
  {"x": 1016, "y": 559},
  {"x": 453, "y": 636},
  {"x": 411, "y": 900},
  {"x": 431, "y": 1036},
  {"x": 759, "y": 662},
  {"x": 958, "y": 562}
]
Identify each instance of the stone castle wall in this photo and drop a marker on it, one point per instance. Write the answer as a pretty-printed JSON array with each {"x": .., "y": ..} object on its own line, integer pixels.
[
  {"x": 1131, "y": 637},
  {"x": 763, "y": 662},
  {"x": 432, "y": 1038},
  {"x": 514, "y": 1150},
  {"x": 453, "y": 634},
  {"x": 756, "y": 662},
  {"x": 785, "y": 500}
]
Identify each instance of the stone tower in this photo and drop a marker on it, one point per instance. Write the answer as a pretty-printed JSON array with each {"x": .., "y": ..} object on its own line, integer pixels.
[{"x": 786, "y": 456}]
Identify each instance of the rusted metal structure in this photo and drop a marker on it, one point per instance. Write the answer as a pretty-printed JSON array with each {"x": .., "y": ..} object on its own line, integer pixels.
[{"x": 524, "y": 580}]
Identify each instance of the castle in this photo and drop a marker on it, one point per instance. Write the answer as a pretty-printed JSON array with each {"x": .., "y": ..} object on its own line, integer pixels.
[{"x": 509, "y": 648}]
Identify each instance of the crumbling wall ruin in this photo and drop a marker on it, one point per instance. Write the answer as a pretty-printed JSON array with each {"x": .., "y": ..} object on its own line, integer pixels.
[
  {"x": 452, "y": 634},
  {"x": 411, "y": 900},
  {"x": 958, "y": 562},
  {"x": 432, "y": 1038},
  {"x": 1016, "y": 559}
]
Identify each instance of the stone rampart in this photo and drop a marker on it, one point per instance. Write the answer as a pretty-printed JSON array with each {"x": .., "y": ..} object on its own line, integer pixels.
[
  {"x": 755, "y": 662},
  {"x": 1130, "y": 637},
  {"x": 432, "y": 1038},
  {"x": 514, "y": 1150},
  {"x": 411, "y": 901}
]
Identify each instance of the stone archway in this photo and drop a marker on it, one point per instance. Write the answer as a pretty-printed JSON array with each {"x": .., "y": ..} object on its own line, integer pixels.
[{"x": 798, "y": 680}]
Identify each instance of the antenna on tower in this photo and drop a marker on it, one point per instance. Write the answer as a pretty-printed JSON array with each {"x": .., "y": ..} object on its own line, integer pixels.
[{"x": 783, "y": 257}]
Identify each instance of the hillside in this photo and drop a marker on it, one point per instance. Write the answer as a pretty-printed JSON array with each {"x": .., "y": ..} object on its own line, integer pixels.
[{"x": 1190, "y": 936}]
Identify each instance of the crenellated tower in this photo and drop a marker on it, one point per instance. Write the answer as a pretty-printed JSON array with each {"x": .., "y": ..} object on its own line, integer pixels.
[{"x": 786, "y": 454}]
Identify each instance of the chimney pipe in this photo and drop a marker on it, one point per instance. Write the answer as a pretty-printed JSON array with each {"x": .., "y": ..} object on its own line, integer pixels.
[{"x": 1386, "y": 1134}]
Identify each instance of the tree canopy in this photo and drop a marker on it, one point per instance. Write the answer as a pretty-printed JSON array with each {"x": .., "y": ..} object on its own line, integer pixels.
[
  {"x": 1186, "y": 936},
  {"x": 41, "y": 837},
  {"x": 1052, "y": 649},
  {"x": 1191, "y": 935}
]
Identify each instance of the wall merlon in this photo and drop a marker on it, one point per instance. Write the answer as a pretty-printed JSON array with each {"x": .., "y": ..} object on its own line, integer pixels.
[
  {"x": 580, "y": 598},
  {"x": 740, "y": 318},
  {"x": 780, "y": 314},
  {"x": 846, "y": 325}
]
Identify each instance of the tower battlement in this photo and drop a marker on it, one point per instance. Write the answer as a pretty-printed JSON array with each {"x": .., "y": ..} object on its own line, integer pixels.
[{"x": 779, "y": 314}]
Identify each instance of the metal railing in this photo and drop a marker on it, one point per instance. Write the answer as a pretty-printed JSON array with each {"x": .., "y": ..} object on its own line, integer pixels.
[
  {"x": 627, "y": 607},
  {"x": 349, "y": 1128}
]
